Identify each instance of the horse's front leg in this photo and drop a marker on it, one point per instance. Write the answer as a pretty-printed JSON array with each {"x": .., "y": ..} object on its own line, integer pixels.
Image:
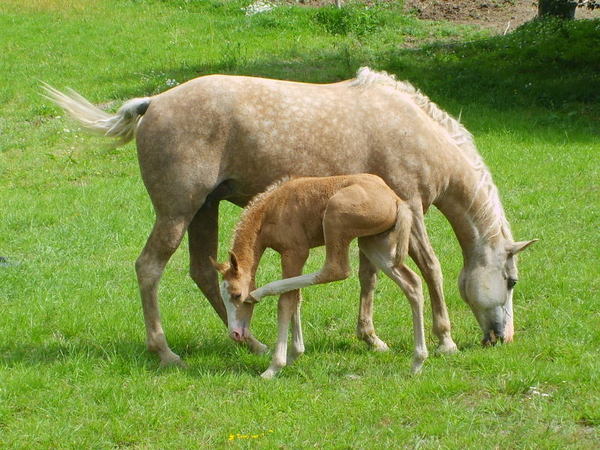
[
  {"x": 422, "y": 253},
  {"x": 203, "y": 243}
]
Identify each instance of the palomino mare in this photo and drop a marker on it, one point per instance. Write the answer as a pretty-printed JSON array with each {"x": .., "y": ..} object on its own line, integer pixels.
[
  {"x": 297, "y": 215},
  {"x": 227, "y": 137}
]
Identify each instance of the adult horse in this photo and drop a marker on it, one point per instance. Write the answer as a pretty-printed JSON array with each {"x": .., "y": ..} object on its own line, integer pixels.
[{"x": 228, "y": 137}]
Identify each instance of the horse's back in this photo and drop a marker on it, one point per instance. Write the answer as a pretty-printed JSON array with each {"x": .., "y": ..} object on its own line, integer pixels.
[{"x": 256, "y": 130}]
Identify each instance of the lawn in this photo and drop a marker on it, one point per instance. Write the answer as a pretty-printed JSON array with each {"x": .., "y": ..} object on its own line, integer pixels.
[{"x": 74, "y": 371}]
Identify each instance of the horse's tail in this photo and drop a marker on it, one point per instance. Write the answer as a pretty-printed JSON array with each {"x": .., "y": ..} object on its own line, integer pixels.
[
  {"x": 120, "y": 126},
  {"x": 401, "y": 231}
]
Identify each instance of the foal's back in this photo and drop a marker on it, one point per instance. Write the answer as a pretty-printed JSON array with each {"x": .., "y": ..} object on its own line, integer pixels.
[{"x": 296, "y": 211}]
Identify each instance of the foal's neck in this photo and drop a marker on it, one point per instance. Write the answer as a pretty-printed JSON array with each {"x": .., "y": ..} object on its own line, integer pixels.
[{"x": 247, "y": 243}]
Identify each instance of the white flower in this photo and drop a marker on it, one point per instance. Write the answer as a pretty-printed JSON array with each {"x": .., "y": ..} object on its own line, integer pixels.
[
  {"x": 171, "y": 82},
  {"x": 259, "y": 6}
]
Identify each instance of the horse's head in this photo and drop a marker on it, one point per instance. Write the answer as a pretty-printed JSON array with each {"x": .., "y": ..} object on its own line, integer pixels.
[
  {"x": 486, "y": 283},
  {"x": 234, "y": 291}
]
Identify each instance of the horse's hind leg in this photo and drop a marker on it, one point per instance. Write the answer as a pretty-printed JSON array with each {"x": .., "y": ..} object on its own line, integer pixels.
[
  {"x": 367, "y": 274},
  {"x": 203, "y": 243},
  {"x": 161, "y": 244},
  {"x": 422, "y": 253}
]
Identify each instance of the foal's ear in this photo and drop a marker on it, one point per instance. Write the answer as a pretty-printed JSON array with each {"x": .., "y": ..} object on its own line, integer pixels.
[
  {"x": 220, "y": 267},
  {"x": 516, "y": 247},
  {"x": 233, "y": 261}
]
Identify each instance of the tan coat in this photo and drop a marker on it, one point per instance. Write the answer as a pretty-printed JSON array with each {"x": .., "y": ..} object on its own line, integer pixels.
[{"x": 226, "y": 137}]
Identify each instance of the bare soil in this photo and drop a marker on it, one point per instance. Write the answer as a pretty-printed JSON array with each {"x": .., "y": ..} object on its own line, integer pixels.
[{"x": 497, "y": 15}]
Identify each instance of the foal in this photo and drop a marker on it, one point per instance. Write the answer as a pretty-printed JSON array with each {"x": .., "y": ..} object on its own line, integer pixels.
[{"x": 297, "y": 215}]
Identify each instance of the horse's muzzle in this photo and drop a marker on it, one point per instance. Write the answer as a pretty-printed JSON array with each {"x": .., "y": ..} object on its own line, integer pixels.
[{"x": 492, "y": 338}]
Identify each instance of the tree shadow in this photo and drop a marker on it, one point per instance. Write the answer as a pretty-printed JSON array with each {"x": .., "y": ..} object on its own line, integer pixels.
[{"x": 548, "y": 70}]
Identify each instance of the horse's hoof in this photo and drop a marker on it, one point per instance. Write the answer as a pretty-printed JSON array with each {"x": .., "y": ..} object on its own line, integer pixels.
[
  {"x": 172, "y": 360},
  {"x": 447, "y": 348},
  {"x": 416, "y": 368},
  {"x": 379, "y": 346},
  {"x": 268, "y": 374}
]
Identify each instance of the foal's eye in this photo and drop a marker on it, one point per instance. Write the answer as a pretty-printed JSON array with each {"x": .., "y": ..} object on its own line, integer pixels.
[
  {"x": 511, "y": 283},
  {"x": 236, "y": 296}
]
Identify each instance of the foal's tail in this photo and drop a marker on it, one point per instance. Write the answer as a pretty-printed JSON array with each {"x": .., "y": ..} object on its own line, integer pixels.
[
  {"x": 401, "y": 231},
  {"x": 120, "y": 126}
]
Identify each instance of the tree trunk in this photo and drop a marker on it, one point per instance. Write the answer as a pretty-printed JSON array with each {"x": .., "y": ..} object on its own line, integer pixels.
[{"x": 564, "y": 9}]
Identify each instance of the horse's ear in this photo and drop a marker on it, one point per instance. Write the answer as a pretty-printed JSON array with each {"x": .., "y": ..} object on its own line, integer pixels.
[
  {"x": 220, "y": 267},
  {"x": 515, "y": 247},
  {"x": 233, "y": 261}
]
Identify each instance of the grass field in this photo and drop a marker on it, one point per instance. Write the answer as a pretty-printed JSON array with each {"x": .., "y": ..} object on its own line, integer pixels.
[{"x": 74, "y": 215}]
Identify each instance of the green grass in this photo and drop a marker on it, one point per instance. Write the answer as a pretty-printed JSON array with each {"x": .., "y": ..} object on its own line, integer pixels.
[{"x": 74, "y": 371}]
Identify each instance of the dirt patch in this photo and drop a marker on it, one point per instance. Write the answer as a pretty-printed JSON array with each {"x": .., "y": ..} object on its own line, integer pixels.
[{"x": 497, "y": 15}]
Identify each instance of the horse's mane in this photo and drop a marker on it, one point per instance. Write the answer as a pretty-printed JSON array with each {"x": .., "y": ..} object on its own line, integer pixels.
[{"x": 492, "y": 207}]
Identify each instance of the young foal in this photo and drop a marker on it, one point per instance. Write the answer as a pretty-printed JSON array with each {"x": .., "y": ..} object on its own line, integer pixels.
[{"x": 295, "y": 216}]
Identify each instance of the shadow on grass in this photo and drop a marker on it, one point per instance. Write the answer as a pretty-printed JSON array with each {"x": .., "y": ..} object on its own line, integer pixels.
[
  {"x": 215, "y": 355},
  {"x": 551, "y": 68}
]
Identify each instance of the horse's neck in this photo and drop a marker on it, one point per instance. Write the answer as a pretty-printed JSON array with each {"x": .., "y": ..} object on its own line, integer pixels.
[{"x": 472, "y": 206}]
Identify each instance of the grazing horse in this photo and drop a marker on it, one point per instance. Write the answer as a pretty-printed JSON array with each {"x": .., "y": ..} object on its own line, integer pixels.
[
  {"x": 293, "y": 217},
  {"x": 224, "y": 137}
]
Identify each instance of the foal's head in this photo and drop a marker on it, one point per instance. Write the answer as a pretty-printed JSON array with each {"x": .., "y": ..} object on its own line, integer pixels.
[
  {"x": 487, "y": 283},
  {"x": 234, "y": 291}
]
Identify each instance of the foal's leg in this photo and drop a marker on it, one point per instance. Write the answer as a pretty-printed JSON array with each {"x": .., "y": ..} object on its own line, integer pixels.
[
  {"x": 161, "y": 244},
  {"x": 336, "y": 267},
  {"x": 203, "y": 243},
  {"x": 288, "y": 309},
  {"x": 367, "y": 273},
  {"x": 422, "y": 253},
  {"x": 410, "y": 283},
  {"x": 292, "y": 264},
  {"x": 381, "y": 250}
]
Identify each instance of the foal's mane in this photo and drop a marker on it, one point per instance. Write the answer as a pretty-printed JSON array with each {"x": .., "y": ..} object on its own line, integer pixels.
[
  {"x": 256, "y": 203},
  {"x": 491, "y": 209}
]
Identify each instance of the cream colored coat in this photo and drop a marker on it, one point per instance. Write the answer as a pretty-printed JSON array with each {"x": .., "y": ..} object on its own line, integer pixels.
[{"x": 227, "y": 138}]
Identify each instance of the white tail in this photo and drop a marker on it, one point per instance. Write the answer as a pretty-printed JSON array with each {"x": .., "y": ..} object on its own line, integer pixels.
[{"x": 121, "y": 125}]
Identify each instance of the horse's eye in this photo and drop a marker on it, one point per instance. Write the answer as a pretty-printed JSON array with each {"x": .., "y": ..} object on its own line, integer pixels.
[
  {"x": 236, "y": 297},
  {"x": 511, "y": 283}
]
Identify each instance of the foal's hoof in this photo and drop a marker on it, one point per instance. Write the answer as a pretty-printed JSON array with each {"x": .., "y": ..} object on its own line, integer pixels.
[
  {"x": 256, "y": 347},
  {"x": 447, "y": 348}
]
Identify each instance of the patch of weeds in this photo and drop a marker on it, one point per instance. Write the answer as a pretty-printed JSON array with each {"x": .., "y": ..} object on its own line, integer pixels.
[
  {"x": 357, "y": 20},
  {"x": 284, "y": 18}
]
